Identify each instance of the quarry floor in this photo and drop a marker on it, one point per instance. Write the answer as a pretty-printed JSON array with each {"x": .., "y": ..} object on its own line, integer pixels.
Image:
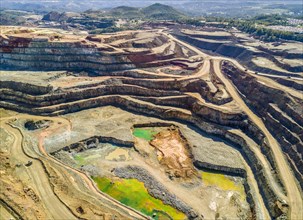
[{"x": 211, "y": 198}]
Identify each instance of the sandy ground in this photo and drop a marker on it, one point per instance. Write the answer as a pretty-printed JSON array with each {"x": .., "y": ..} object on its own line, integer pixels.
[
  {"x": 55, "y": 208},
  {"x": 5, "y": 214},
  {"x": 173, "y": 153}
]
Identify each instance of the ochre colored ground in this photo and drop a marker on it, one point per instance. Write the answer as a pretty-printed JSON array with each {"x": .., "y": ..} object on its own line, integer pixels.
[{"x": 173, "y": 153}]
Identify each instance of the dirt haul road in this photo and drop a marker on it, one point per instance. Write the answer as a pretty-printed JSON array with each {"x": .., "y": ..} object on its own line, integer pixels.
[
  {"x": 269, "y": 82},
  {"x": 293, "y": 193},
  {"x": 206, "y": 66},
  {"x": 57, "y": 210},
  {"x": 263, "y": 212}
]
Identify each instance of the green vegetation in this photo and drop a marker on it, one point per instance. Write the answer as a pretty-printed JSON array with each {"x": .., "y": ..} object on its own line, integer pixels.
[
  {"x": 80, "y": 160},
  {"x": 222, "y": 182},
  {"x": 153, "y": 12},
  {"x": 145, "y": 133},
  {"x": 12, "y": 17},
  {"x": 126, "y": 12},
  {"x": 264, "y": 33},
  {"x": 191, "y": 21},
  {"x": 257, "y": 27},
  {"x": 274, "y": 19},
  {"x": 133, "y": 193},
  {"x": 162, "y": 12},
  {"x": 100, "y": 21}
]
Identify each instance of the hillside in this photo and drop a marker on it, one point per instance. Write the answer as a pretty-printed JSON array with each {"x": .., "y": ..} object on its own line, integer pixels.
[
  {"x": 160, "y": 11},
  {"x": 126, "y": 12},
  {"x": 155, "y": 11}
]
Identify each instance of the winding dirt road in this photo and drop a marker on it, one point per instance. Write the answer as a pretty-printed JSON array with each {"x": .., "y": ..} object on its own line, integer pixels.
[
  {"x": 293, "y": 193},
  {"x": 56, "y": 209},
  {"x": 263, "y": 79}
]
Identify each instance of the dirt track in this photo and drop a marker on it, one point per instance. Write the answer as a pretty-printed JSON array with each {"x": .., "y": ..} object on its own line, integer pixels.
[
  {"x": 56, "y": 209},
  {"x": 293, "y": 193},
  {"x": 263, "y": 212},
  {"x": 266, "y": 80}
]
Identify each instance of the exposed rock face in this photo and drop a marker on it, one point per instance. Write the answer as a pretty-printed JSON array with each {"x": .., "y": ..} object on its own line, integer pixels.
[
  {"x": 26, "y": 88},
  {"x": 92, "y": 142},
  {"x": 34, "y": 125},
  {"x": 290, "y": 83},
  {"x": 282, "y": 114},
  {"x": 52, "y": 52},
  {"x": 29, "y": 54},
  {"x": 214, "y": 46},
  {"x": 227, "y": 170}
]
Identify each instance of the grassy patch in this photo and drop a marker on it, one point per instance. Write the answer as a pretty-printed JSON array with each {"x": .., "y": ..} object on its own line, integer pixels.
[
  {"x": 145, "y": 133},
  {"x": 133, "y": 193},
  {"x": 222, "y": 182},
  {"x": 80, "y": 160}
]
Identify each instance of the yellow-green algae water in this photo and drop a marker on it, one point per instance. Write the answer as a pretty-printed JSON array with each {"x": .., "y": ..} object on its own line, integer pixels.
[
  {"x": 133, "y": 193},
  {"x": 145, "y": 133},
  {"x": 222, "y": 182}
]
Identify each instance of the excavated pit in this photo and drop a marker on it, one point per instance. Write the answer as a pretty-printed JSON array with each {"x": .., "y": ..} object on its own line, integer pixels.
[{"x": 105, "y": 88}]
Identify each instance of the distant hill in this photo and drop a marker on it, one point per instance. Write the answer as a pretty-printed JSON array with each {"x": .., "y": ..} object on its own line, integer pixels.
[
  {"x": 54, "y": 16},
  {"x": 155, "y": 11},
  {"x": 160, "y": 11},
  {"x": 126, "y": 12},
  {"x": 9, "y": 17},
  {"x": 59, "y": 17}
]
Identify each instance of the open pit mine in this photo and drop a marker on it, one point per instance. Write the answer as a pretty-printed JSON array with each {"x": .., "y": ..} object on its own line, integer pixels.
[{"x": 162, "y": 123}]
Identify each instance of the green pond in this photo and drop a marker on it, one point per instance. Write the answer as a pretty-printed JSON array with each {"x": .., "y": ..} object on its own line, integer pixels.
[
  {"x": 133, "y": 193},
  {"x": 145, "y": 133}
]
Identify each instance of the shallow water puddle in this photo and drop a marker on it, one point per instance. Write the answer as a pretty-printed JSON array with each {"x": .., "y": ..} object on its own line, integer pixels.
[{"x": 145, "y": 133}]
